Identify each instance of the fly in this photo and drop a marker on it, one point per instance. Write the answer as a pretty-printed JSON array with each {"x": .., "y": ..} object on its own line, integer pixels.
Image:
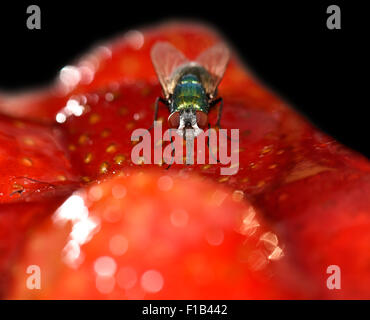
[{"x": 189, "y": 87}]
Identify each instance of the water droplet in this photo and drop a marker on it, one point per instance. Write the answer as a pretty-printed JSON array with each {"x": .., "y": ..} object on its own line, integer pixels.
[
  {"x": 60, "y": 117},
  {"x": 135, "y": 39},
  {"x": 70, "y": 76},
  {"x": 105, "y": 285},
  {"x": 152, "y": 281},
  {"x": 104, "y": 167},
  {"x": 118, "y": 245},
  {"x": 95, "y": 193},
  {"x": 270, "y": 240},
  {"x": 119, "y": 191},
  {"x": 88, "y": 157},
  {"x": 238, "y": 195},
  {"x": 276, "y": 254},
  {"x": 105, "y": 266},
  {"x": 179, "y": 218},
  {"x": 214, "y": 237},
  {"x": 119, "y": 159},
  {"x": 126, "y": 277},
  {"x": 109, "y": 96},
  {"x": 165, "y": 183}
]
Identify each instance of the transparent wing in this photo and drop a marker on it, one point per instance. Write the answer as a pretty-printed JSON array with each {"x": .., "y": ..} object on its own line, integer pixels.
[
  {"x": 166, "y": 58},
  {"x": 214, "y": 60}
]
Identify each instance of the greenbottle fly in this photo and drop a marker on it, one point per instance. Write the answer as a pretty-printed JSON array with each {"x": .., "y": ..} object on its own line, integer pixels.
[{"x": 189, "y": 87}]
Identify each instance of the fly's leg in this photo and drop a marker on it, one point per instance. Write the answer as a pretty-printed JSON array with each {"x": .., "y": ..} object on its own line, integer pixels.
[
  {"x": 172, "y": 153},
  {"x": 159, "y": 99},
  {"x": 219, "y": 114},
  {"x": 156, "y": 105}
]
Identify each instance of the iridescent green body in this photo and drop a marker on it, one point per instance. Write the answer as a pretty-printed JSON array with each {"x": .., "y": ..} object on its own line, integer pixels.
[{"x": 189, "y": 93}]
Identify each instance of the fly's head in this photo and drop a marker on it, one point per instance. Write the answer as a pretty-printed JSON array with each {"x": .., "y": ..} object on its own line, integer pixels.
[{"x": 188, "y": 118}]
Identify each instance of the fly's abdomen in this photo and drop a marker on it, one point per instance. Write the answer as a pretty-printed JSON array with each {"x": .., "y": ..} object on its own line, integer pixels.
[{"x": 189, "y": 93}]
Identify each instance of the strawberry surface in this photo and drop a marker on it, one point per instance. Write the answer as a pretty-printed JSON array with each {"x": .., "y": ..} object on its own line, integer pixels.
[{"x": 309, "y": 192}]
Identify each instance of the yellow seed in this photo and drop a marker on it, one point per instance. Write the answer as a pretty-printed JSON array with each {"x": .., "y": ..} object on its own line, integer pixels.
[
  {"x": 273, "y": 166},
  {"x": 85, "y": 179},
  {"x": 109, "y": 96},
  {"x": 120, "y": 173},
  {"x": 112, "y": 148},
  {"x": 72, "y": 147},
  {"x": 283, "y": 197},
  {"x": 206, "y": 166},
  {"x": 94, "y": 118},
  {"x": 261, "y": 184},
  {"x": 253, "y": 165},
  {"x": 146, "y": 91},
  {"x": 223, "y": 179},
  {"x": 27, "y": 162},
  {"x": 122, "y": 111},
  {"x": 61, "y": 178},
  {"x": 88, "y": 157},
  {"x": 83, "y": 138},
  {"x": 28, "y": 141},
  {"x": 119, "y": 159},
  {"x": 18, "y": 124},
  {"x": 245, "y": 179},
  {"x": 104, "y": 167},
  {"x": 105, "y": 133},
  {"x": 280, "y": 152},
  {"x": 130, "y": 125},
  {"x": 17, "y": 187},
  {"x": 160, "y": 119},
  {"x": 266, "y": 149}
]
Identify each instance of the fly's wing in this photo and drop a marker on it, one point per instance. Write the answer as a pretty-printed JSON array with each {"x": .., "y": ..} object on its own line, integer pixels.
[
  {"x": 214, "y": 60},
  {"x": 166, "y": 58}
]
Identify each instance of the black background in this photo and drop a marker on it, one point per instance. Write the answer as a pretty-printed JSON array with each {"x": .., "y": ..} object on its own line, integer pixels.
[{"x": 320, "y": 72}]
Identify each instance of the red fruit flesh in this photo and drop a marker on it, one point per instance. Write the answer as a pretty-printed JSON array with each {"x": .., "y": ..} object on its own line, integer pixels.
[{"x": 314, "y": 190}]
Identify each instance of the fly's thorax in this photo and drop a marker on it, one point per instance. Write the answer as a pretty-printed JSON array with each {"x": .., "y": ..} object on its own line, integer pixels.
[
  {"x": 189, "y": 105},
  {"x": 189, "y": 94}
]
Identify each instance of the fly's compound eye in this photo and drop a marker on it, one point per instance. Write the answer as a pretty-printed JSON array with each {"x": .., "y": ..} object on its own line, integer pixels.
[
  {"x": 202, "y": 119},
  {"x": 174, "y": 120}
]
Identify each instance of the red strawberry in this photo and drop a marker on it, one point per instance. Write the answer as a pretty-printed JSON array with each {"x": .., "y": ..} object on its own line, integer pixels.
[
  {"x": 313, "y": 188},
  {"x": 34, "y": 162},
  {"x": 142, "y": 238}
]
